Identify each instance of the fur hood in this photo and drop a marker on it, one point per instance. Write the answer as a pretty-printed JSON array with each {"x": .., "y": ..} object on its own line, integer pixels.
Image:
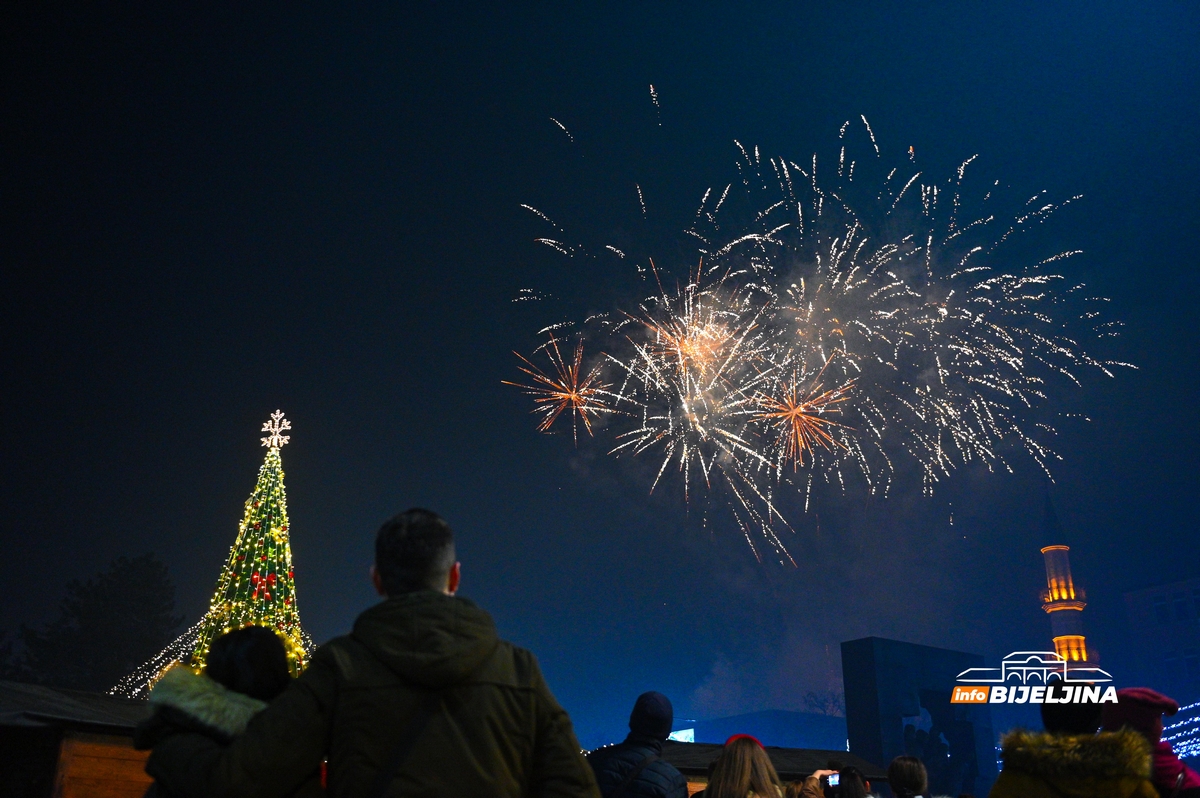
[
  {"x": 1060, "y": 757},
  {"x": 203, "y": 700}
]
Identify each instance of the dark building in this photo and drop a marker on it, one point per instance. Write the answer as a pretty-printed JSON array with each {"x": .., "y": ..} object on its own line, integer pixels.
[
  {"x": 1164, "y": 622},
  {"x": 774, "y": 727},
  {"x": 898, "y": 702},
  {"x": 69, "y": 744}
]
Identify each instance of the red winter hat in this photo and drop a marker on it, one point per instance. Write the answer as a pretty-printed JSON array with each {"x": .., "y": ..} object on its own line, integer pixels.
[
  {"x": 750, "y": 737},
  {"x": 1139, "y": 708}
]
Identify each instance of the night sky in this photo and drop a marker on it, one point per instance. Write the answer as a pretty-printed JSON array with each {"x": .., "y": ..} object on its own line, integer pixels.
[{"x": 211, "y": 212}]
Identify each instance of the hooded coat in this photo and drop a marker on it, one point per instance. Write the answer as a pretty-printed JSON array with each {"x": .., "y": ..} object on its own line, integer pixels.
[
  {"x": 1142, "y": 709},
  {"x": 186, "y": 703},
  {"x": 496, "y": 731},
  {"x": 1105, "y": 765}
]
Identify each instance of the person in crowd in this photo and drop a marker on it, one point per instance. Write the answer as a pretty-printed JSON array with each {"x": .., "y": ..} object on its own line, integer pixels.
[
  {"x": 421, "y": 698},
  {"x": 1069, "y": 760},
  {"x": 246, "y": 669},
  {"x": 907, "y": 777},
  {"x": 635, "y": 768},
  {"x": 743, "y": 770},
  {"x": 851, "y": 783},
  {"x": 1141, "y": 709}
]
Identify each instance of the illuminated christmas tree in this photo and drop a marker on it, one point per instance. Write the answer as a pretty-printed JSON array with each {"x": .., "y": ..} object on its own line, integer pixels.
[{"x": 256, "y": 587}]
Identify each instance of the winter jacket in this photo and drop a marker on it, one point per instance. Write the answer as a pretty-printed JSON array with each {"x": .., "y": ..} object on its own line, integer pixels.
[
  {"x": 613, "y": 764},
  {"x": 812, "y": 788},
  {"x": 199, "y": 709},
  {"x": 1105, "y": 765},
  {"x": 495, "y": 730}
]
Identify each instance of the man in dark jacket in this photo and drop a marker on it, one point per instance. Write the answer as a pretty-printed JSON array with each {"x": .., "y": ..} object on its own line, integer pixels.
[
  {"x": 421, "y": 698},
  {"x": 634, "y": 768}
]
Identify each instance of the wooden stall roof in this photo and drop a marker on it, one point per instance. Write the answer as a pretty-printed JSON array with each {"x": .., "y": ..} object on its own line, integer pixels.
[
  {"x": 35, "y": 705},
  {"x": 692, "y": 759}
]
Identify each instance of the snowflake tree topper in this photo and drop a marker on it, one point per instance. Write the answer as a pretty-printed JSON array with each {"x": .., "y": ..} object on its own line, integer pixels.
[{"x": 276, "y": 425}]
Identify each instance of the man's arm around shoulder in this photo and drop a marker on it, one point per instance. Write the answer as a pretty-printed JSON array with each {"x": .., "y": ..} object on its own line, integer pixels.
[{"x": 282, "y": 746}]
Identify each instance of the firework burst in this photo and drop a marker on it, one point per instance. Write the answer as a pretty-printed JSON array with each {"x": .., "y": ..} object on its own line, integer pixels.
[
  {"x": 697, "y": 356},
  {"x": 568, "y": 390},
  {"x": 938, "y": 342},
  {"x": 799, "y": 417}
]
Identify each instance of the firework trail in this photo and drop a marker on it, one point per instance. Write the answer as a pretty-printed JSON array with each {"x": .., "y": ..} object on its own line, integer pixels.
[{"x": 832, "y": 327}]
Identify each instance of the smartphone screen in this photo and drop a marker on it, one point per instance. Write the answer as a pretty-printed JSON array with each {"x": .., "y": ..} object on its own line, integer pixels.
[{"x": 833, "y": 779}]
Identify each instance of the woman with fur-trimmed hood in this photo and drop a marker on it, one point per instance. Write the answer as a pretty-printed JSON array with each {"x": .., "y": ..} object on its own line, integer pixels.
[
  {"x": 1105, "y": 765},
  {"x": 246, "y": 668},
  {"x": 1070, "y": 760}
]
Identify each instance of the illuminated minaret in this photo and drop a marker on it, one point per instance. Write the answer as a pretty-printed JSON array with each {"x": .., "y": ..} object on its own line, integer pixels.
[
  {"x": 1061, "y": 599},
  {"x": 1065, "y": 605}
]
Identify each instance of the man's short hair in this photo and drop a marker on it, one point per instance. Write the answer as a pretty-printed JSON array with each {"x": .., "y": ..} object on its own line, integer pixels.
[{"x": 414, "y": 551}]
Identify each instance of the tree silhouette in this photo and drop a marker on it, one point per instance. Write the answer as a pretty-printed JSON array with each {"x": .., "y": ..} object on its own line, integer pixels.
[
  {"x": 8, "y": 667},
  {"x": 106, "y": 627},
  {"x": 825, "y": 702}
]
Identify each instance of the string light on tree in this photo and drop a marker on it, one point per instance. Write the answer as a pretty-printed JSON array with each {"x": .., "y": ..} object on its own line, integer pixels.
[{"x": 276, "y": 425}]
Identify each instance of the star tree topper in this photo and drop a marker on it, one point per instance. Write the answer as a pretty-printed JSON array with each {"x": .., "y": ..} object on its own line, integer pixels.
[{"x": 276, "y": 425}]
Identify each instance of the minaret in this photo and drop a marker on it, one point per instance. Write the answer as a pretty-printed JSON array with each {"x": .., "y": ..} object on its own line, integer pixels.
[{"x": 1060, "y": 599}]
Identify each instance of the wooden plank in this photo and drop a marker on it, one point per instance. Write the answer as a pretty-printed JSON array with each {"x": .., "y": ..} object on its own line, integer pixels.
[
  {"x": 102, "y": 788},
  {"x": 106, "y": 750},
  {"x": 124, "y": 741},
  {"x": 99, "y": 767}
]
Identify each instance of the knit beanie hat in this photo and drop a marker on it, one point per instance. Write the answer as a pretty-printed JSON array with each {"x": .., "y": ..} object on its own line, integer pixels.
[
  {"x": 1139, "y": 708},
  {"x": 652, "y": 716}
]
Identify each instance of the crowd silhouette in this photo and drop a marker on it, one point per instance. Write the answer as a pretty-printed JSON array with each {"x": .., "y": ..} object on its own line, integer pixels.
[{"x": 422, "y": 698}]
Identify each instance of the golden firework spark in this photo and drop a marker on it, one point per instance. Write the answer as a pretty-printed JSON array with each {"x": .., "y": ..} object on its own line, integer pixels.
[
  {"x": 798, "y": 414},
  {"x": 568, "y": 389},
  {"x": 695, "y": 347}
]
